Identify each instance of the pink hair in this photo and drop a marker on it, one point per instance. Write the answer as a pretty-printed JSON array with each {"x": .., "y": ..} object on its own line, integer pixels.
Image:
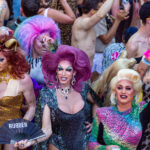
[
  {"x": 78, "y": 58},
  {"x": 32, "y": 27}
]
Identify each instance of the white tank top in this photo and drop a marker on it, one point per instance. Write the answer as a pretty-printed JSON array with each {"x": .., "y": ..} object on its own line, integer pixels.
[{"x": 46, "y": 12}]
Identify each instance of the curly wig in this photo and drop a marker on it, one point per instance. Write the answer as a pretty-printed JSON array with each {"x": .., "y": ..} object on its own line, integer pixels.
[
  {"x": 32, "y": 27},
  {"x": 130, "y": 75},
  {"x": 9, "y": 47},
  {"x": 78, "y": 59}
]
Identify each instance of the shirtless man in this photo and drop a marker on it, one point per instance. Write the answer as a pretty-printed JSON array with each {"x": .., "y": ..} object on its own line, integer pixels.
[
  {"x": 140, "y": 41},
  {"x": 83, "y": 34}
]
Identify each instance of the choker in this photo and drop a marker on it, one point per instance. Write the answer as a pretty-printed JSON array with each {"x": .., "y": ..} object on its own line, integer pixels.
[{"x": 65, "y": 91}]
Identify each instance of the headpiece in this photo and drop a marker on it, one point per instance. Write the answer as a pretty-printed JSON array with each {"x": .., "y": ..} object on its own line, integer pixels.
[{"x": 8, "y": 43}]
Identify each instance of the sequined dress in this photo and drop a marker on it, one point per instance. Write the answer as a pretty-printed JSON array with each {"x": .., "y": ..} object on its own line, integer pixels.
[
  {"x": 69, "y": 130},
  {"x": 10, "y": 103},
  {"x": 111, "y": 127}
]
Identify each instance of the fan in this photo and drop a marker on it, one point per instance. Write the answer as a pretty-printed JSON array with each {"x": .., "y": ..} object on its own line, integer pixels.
[{"x": 19, "y": 129}]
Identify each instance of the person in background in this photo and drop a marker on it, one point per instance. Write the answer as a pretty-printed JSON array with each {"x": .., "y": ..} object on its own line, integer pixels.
[
  {"x": 113, "y": 51},
  {"x": 105, "y": 35},
  {"x": 43, "y": 35},
  {"x": 65, "y": 18},
  {"x": 83, "y": 34},
  {"x": 139, "y": 42}
]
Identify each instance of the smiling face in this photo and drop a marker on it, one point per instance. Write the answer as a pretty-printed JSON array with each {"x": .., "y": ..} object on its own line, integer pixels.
[
  {"x": 124, "y": 92},
  {"x": 42, "y": 44},
  {"x": 65, "y": 72}
]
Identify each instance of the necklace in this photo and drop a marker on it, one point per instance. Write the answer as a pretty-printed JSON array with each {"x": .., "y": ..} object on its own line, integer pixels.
[
  {"x": 65, "y": 91},
  {"x": 5, "y": 76}
]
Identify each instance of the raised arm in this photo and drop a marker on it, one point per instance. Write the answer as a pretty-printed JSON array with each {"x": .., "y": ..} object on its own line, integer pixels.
[
  {"x": 115, "y": 7},
  {"x": 106, "y": 38},
  {"x": 61, "y": 17},
  {"x": 94, "y": 19},
  {"x": 28, "y": 92}
]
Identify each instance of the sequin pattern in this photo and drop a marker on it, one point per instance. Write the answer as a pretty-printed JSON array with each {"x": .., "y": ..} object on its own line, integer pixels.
[
  {"x": 69, "y": 132},
  {"x": 119, "y": 128}
]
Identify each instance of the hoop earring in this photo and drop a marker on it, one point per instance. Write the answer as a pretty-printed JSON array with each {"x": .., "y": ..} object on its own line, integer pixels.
[{"x": 73, "y": 80}]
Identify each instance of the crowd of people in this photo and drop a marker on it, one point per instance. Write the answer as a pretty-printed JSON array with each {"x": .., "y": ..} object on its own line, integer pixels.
[{"x": 89, "y": 94}]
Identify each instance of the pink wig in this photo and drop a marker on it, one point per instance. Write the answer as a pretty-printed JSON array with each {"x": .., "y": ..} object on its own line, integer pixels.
[
  {"x": 78, "y": 59},
  {"x": 32, "y": 27}
]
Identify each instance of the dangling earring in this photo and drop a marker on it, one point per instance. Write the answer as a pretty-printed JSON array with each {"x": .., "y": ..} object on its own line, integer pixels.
[
  {"x": 56, "y": 78},
  {"x": 73, "y": 80}
]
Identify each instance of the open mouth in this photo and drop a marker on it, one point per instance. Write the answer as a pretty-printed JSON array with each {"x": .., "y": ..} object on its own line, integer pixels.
[
  {"x": 123, "y": 96},
  {"x": 63, "y": 78}
]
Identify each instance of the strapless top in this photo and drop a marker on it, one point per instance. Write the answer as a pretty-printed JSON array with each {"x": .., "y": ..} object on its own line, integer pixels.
[{"x": 10, "y": 108}]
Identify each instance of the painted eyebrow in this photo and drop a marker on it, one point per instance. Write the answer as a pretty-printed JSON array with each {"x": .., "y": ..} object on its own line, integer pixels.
[
  {"x": 69, "y": 67},
  {"x": 59, "y": 67}
]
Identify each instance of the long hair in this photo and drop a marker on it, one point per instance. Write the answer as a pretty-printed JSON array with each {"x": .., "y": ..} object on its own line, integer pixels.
[
  {"x": 78, "y": 59},
  {"x": 14, "y": 56},
  {"x": 32, "y": 27}
]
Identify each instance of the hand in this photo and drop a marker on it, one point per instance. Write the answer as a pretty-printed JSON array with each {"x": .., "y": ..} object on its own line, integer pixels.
[
  {"x": 110, "y": 147},
  {"x": 122, "y": 15},
  {"x": 142, "y": 69},
  {"x": 88, "y": 126},
  {"x": 23, "y": 144}
]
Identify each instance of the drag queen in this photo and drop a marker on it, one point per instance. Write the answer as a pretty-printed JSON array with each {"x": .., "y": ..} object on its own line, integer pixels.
[
  {"x": 67, "y": 98},
  {"x": 15, "y": 83},
  {"x": 121, "y": 126},
  {"x": 36, "y": 35}
]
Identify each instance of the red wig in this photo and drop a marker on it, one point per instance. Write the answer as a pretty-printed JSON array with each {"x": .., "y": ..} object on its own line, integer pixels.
[{"x": 15, "y": 57}]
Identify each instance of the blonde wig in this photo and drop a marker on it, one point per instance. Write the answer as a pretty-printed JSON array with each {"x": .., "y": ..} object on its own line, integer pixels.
[
  {"x": 101, "y": 85},
  {"x": 130, "y": 75}
]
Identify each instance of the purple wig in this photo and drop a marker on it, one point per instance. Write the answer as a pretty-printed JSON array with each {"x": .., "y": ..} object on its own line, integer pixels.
[
  {"x": 78, "y": 59},
  {"x": 32, "y": 27}
]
